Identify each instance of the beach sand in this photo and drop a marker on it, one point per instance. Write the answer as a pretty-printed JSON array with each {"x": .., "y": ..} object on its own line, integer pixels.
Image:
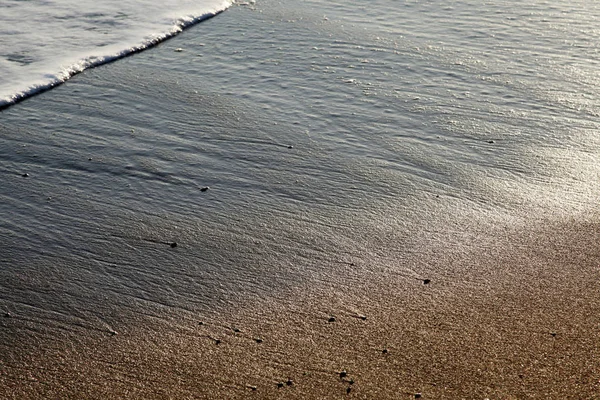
[
  {"x": 335, "y": 239},
  {"x": 515, "y": 319}
]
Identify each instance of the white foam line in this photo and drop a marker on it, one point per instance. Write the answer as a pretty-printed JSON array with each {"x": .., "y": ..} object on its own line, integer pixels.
[{"x": 95, "y": 61}]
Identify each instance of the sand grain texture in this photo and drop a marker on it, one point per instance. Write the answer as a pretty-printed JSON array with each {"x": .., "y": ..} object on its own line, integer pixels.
[
  {"x": 527, "y": 329},
  {"x": 364, "y": 210}
]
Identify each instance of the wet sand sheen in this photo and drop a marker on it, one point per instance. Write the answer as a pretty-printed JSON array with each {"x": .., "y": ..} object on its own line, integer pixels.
[
  {"x": 349, "y": 244},
  {"x": 492, "y": 324}
]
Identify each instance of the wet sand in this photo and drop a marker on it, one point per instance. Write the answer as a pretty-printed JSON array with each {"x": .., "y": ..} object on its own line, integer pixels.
[
  {"x": 516, "y": 318},
  {"x": 360, "y": 236}
]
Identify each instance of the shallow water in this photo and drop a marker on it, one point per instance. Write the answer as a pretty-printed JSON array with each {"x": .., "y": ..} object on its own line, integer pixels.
[
  {"x": 336, "y": 140},
  {"x": 44, "y": 42}
]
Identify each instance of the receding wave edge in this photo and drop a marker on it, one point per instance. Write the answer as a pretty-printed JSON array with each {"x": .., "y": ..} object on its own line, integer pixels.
[{"x": 96, "y": 61}]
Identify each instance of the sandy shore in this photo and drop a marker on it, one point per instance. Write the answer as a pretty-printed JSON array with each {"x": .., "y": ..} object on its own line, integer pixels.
[
  {"x": 362, "y": 234},
  {"x": 517, "y": 320}
]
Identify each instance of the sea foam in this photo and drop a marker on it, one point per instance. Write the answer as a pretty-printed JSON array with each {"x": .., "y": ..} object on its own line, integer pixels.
[{"x": 43, "y": 42}]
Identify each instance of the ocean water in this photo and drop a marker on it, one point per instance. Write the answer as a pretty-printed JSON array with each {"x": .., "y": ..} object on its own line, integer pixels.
[
  {"x": 286, "y": 147},
  {"x": 43, "y": 43}
]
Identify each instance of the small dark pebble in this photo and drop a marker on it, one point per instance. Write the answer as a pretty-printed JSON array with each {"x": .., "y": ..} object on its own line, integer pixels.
[
  {"x": 204, "y": 189},
  {"x": 343, "y": 374},
  {"x": 331, "y": 319},
  {"x": 112, "y": 333},
  {"x": 7, "y": 315},
  {"x": 258, "y": 340},
  {"x": 417, "y": 395},
  {"x": 426, "y": 281},
  {"x": 385, "y": 351},
  {"x": 348, "y": 389},
  {"x": 25, "y": 175},
  {"x": 363, "y": 317},
  {"x": 290, "y": 382},
  {"x": 201, "y": 323},
  {"x": 236, "y": 330},
  {"x": 290, "y": 147},
  {"x": 173, "y": 245},
  {"x": 253, "y": 388},
  {"x": 553, "y": 334},
  {"x": 521, "y": 376},
  {"x": 279, "y": 384},
  {"x": 491, "y": 141},
  {"x": 217, "y": 341},
  {"x": 351, "y": 381}
]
